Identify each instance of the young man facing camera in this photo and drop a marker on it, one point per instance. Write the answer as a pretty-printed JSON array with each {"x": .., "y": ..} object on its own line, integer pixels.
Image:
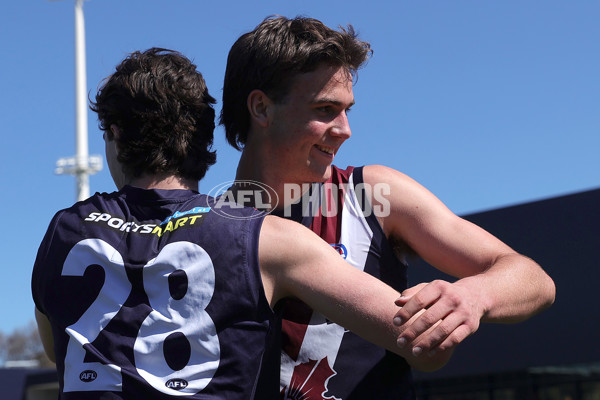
[{"x": 287, "y": 91}]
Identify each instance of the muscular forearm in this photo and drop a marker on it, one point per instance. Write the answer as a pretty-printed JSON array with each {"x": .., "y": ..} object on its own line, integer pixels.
[
  {"x": 326, "y": 283},
  {"x": 513, "y": 289},
  {"x": 439, "y": 315}
]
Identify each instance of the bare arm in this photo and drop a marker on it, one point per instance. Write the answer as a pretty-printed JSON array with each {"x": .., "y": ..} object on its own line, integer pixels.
[
  {"x": 45, "y": 332},
  {"x": 295, "y": 262},
  {"x": 496, "y": 283}
]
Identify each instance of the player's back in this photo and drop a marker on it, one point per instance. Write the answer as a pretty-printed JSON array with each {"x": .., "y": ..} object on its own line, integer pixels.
[{"x": 154, "y": 294}]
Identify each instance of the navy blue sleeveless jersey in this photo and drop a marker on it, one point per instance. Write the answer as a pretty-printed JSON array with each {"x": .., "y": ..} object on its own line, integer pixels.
[
  {"x": 154, "y": 294},
  {"x": 319, "y": 359}
]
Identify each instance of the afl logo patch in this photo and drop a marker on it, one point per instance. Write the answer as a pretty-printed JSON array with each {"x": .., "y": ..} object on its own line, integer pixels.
[
  {"x": 88, "y": 376},
  {"x": 176, "y": 384},
  {"x": 340, "y": 248}
]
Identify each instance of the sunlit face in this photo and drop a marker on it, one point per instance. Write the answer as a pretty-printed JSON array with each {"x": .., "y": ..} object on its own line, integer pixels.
[{"x": 308, "y": 127}]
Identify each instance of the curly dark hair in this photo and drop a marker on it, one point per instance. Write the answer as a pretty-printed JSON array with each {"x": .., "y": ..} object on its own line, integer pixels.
[
  {"x": 161, "y": 105},
  {"x": 270, "y": 56}
]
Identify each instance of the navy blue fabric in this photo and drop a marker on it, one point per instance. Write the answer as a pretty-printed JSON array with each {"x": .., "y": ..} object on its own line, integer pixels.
[{"x": 138, "y": 224}]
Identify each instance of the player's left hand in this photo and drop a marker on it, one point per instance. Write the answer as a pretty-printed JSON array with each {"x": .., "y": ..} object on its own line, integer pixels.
[{"x": 438, "y": 316}]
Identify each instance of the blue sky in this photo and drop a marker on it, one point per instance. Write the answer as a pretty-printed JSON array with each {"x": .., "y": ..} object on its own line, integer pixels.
[{"x": 486, "y": 103}]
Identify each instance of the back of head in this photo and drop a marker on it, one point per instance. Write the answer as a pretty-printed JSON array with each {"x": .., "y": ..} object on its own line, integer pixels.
[
  {"x": 270, "y": 56},
  {"x": 163, "y": 110}
]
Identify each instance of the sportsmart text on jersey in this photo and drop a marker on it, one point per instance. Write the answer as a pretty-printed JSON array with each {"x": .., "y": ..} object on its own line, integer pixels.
[{"x": 129, "y": 226}]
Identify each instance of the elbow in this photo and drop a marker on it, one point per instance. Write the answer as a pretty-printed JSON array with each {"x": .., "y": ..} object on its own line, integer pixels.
[
  {"x": 430, "y": 363},
  {"x": 549, "y": 293},
  {"x": 545, "y": 297},
  {"x": 542, "y": 293}
]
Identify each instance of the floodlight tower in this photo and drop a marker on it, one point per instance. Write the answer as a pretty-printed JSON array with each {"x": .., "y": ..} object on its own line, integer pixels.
[{"x": 82, "y": 165}]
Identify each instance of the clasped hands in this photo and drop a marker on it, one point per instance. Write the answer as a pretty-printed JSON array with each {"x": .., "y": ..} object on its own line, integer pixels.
[{"x": 436, "y": 317}]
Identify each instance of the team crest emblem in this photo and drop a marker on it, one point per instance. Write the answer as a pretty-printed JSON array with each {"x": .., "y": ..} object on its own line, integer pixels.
[{"x": 340, "y": 248}]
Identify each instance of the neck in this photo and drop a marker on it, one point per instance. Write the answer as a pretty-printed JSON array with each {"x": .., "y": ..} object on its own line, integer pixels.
[
  {"x": 256, "y": 167},
  {"x": 168, "y": 182}
]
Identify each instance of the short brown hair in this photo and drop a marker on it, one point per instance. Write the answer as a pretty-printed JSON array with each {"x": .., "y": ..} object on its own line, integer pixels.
[{"x": 269, "y": 57}]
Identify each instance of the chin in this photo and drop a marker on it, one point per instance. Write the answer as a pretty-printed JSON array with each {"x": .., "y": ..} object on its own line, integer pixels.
[{"x": 321, "y": 175}]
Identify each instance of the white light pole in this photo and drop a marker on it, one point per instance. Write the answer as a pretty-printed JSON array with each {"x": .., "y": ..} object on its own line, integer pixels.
[{"x": 82, "y": 165}]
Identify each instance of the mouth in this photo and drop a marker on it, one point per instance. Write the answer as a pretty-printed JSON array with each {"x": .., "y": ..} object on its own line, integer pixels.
[{"x": 327, "y": 150}]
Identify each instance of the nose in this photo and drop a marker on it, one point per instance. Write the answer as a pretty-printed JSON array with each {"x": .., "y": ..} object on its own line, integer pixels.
[{"x": 341, "y": 127}]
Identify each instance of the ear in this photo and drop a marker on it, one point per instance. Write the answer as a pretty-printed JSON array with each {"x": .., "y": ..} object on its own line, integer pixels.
[
  {"x": 259, "y": 106},
  {"x": 115, "y": 131}
]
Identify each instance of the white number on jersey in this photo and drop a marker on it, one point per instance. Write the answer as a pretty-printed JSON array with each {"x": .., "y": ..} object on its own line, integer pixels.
[{"x": 183, "y": 317}]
